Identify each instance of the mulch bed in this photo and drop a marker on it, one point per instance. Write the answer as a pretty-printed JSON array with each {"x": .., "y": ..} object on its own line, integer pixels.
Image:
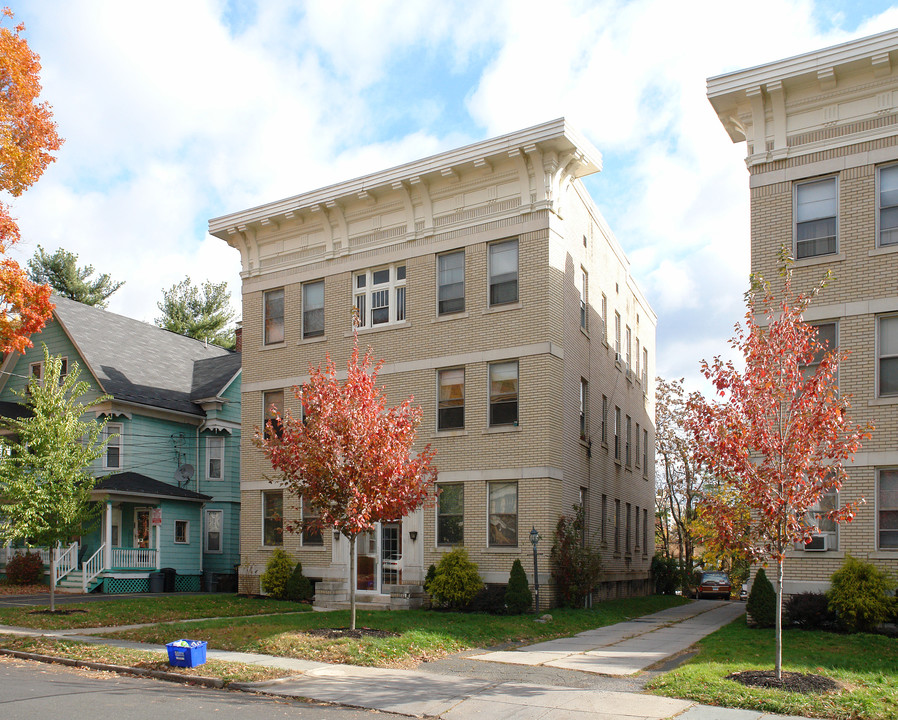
[
  {"x": 357, "y": 634},
  {"x": 56, "y": 612},
  {"x": 791, "y": 681},
  {"x": 7, "y": 589}
]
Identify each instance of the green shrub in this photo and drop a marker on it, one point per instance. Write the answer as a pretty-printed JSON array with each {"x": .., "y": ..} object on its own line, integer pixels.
[
  {"x": 277, "y": 573},
  {"x": 299, "y": 587},
  {"x": 518, "y": 597},
  {"x": 27, "y": 569},
  {"x": 456, "y": 581},
  {"x": 861, "y": 595},
  {"x": 761, "y": 603},
  {"x": 809, "y": 611},
  {"x": 489, "y": 599},
  {"x": 666, "y": 575},
  {"x": 576, "y": 567},
  {"x": 431, "y": 574}
]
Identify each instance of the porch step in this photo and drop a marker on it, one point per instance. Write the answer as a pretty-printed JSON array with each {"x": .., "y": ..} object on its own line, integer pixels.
[{"x": 73, "y": 583}]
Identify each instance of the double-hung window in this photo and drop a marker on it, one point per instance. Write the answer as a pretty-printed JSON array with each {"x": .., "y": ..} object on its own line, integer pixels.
[
  {"x": 617, "y": 527},
  {"x": 645, "y": 368},
  {"x": 604, "y": 419},
  {"x": 645, "y": 453},
  {"x": 605, "y": 318},
  {"x": 584, "y": 298},
  {"x": 617, "y": 355},
  {"x": 629, "y": 355},
  {"x": 503, "y": 269},
  {"x": 504, "y": 393},
  {"x": 617, "y": 433},
  {"x": 503, "y": 514},
  {"x": 826, "y": 537},
  {"x": 274, "y": 316},
  {"x": 379, "y": 296},
  {"x": 451, "y": 283},
  {"x": 584, "y": 407},
  {"x": 215, "y": 458},
  {"x": 313, "y": 309},
  {"x": 311, "y": 529},
  {"x": 272, "y": 411},
  {"x": 629, "y": 457},
  {"x": 451, "y": 514},
  {"x": 828, "y": 337},
  {"x": 887, "y": 509},
  {"x": 112, "y": 433},
  {"x": 887, "y": 349},
  {"x": 888, "y": 206},
  {"x": 451, "y": 404},
  {"x": 182, "y": 532},
  {"x": 816, "y": 218},
  {"x": 273, "y": 518},
  {"x": 214, "y": 527}
]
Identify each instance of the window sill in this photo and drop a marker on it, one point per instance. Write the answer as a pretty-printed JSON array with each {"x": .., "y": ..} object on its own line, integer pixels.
[
  {"x": 318, "y": 548},
  {"x": 887, "y": 250},
  {"x": 379, "y": 328},
  {"x": 269, "y": 548},
  {"x": 820, "y": 260},
  {"x": 313, "y": 340},
  {"x": 502, "y": 429},
  {"x": 460, "y": 432},
  {"x": 503, "y": 549},
  {"x": 585, "y": 333},
  {"x": 883, "y": 554},
  {"x": 585, "y": 443},
  {"x": 274, "y": 346},
  {"x": 502, "y": 308},
  {"x": 450, "y": 316},
  {"x": 883, "y": 401}
]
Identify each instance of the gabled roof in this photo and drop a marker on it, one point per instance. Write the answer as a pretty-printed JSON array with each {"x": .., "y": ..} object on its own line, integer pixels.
[
  {"x": 137, "y": 362},
  {"x": 213, "y": 375},
  {"x": 132, "y": 483}
]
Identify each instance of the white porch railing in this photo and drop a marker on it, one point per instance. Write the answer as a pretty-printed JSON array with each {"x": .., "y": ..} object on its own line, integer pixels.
[
  {"x": 8, "y": 553},
  {"x": 133, "y": 558},
  {"x": 92, "y": 568},
  {"x": 66, "y": 561}
]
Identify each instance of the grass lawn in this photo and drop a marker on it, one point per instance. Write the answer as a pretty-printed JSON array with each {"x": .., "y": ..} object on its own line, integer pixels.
[
  {"x": 866, "y": 665},
  {"x": 227, "y": 671},
  {"x": 420, "y": 634},
  {"x": 147, "y": 609}
]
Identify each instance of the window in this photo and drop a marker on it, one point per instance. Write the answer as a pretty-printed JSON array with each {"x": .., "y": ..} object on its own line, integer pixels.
[
  {"x": 604, "y": 419},
  {"x": 503, "y": 514},
  {"x": 645, "y": 532},
  {"x": 503, "y": 272},
  {"x": 636, "y": 360},
  {"x": 636, "y": 529},
  {"x": 827, "y": 537},
  {"x": 451, "y": 283},
  {"x": 887, "y": 509},
  {"x": 604, "y": 516},
  {"x": 584, "y": 297},
  {"x": 273, "y": 518},
  {"x": 629, "y": 457},
  {"x": 645, "y": 453},
  {"x": 888, "y": 205},
  {"x": 182, "y": 532},
  {"x": 36, "y": 370},
  {"x": 617, "y": 335},
  {"x": 214, "y": 525},
  {"x": 313, "y": 309},
  {"x": 629, "y": 337},
  {"x": 645, "y": 368},
  {"x": 379, "y": 296},
  {"x": 605, "y": 318},
  {"x": 636, "y": 449},
  {"x": 112, "y": 433},
  {"x": 584, "y": 402},
  {"x": 272, "y": 408},
  {"x": 888, "y": 355},
  {"x": 627, "y": 532},
  {"x": 451, "y": 404},
  {"x": 617, "y": 432},
  {"x": 451, "y": 514},
  {"x": 274, "y": 316},
  {"x": 504, "y": 393},
  {"x": 215, "y": 458},
  {"x": 816, "y": 218},
  {"x": 311, "y": 530},
  {"x": 827, "y": 336},
  {"x": 617, "y": 527}
]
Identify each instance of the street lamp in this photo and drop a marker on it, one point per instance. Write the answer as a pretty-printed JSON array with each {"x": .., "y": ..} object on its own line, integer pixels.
[{"x": 534, "y": 539}]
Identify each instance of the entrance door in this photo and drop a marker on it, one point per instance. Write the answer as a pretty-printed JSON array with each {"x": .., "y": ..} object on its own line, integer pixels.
[
  {"x": 142, "y": 536},
  {"x": 366, "y": 562},
  {"x": 379, "y": 558},
  {"x": 390, "y": 554}
]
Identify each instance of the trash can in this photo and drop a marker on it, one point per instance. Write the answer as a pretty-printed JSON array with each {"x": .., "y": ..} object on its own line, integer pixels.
[
  {"x": 210, "y": 581},
  {"x": 157, "y": 582},
  {"x": 169, "y": 574}
]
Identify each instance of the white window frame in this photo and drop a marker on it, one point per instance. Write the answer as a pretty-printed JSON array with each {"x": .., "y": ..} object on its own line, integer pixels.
[
  {"x": 302, "y": 534},
  {"x": 263, "y": 495},
  {"x": 440, "y": 284},
  {"x": 109, "y": 430},
  {"x": 517, "y": 513},
  {"x": 221, "y": 533},
  {"x": 796, "y": 189},
  {"x": 395, "y": 289},
  {"x": 832, "y": 536},
  {"x": 629, "y": 346},
  {"x": 437, "y": 513},
  {"x": 583, "y": 289},
  {"x": 440, "y": 401},
  {"x": 883, "y": 508},
  {"x": 213, "y": 442},
  {"x": 811, "y": 368},
  {"x": 283, "y": 324},
  {"x": 617, "y": 348},
  {"x": 645, "y": 368},
  {"x": 880, "y": 207},
  {"x": 584, "y": 409},
  {"x": 604, "y": 318},
  {"x": 517, "y": 272},
  {"x": 186, "y": 540},
  {"x": 306, "y": 333},
  {"x": 880, "y": 357},
  {"x": 517, "y": 399},
  {"x": 266, "y": 404},
  {"x": 617, "y": 434}
]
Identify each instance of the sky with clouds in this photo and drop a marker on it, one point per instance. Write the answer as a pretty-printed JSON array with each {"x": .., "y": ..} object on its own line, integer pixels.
[{"x": 178, "y": 111}]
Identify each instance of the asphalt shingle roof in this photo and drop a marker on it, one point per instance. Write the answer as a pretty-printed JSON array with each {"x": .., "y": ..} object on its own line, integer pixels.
[
  {"x": 137, "y": 484},
  {"x": 210, "y": 376}
]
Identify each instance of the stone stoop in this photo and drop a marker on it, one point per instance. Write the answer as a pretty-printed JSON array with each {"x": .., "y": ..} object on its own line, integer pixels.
[{"x": 334, "y": 596}]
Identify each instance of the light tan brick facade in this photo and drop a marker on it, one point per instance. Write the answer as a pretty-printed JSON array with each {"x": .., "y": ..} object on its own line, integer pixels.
[
  {"x": 522, "y": 187},
  {"x": 831, "y": 118}
]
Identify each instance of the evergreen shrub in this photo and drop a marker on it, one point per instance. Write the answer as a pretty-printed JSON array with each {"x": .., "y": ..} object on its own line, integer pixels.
[
  {"x": 761, "y": 603},
  {"x": 456, "y": 581},
  {"x": 277, "y": 573},
  {"x": 576, "y": 567},
  {"x": 809, "y": 611},
  {"x": 860, "y": 595},
  {"x": 518, "y": 597},
  {"x": 299, "y": 587},
  {"x": 489, "y": 599},
  {"x": 666, "y": 575}
]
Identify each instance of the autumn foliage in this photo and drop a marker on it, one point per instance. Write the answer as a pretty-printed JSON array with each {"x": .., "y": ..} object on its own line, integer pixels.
[{"x": 27, "y": 137}]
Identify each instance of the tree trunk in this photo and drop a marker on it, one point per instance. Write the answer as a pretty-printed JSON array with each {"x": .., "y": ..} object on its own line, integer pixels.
[
  {"x": 54, "y": 558},
  {"x": 779, "y": 619},
  {"x": 352, "y": 573}
]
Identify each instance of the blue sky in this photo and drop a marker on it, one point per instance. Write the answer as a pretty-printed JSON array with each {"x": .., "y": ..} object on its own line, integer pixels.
[{"x": 176, "y": 112}]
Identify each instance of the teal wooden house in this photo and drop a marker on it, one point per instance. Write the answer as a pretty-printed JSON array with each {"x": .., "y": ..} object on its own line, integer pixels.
[{"x": 170, "y": 477}]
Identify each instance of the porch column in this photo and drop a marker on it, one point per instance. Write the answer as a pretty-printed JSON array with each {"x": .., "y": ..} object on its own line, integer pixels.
[
  {"x": 158, "y": 547},
  {"x": 107, "y": 552}
]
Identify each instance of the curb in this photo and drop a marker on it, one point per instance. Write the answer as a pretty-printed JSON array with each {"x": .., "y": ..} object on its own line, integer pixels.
[{"x": 124, "y": 669}]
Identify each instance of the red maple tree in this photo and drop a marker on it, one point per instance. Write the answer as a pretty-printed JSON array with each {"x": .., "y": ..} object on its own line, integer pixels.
[
  {"x": 350, "y": 456},
  {"x": 27, "y": 136},
  {"x": 780, "y": 440}
]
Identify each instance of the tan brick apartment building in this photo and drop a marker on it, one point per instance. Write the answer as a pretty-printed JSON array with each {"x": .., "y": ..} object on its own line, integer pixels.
[
  {"x": 490, "y": 284},
  {"x": 821, "y": 131}
]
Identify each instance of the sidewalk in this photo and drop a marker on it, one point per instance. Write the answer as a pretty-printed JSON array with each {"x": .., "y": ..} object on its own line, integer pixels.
[{"x": 616, "y": 649}]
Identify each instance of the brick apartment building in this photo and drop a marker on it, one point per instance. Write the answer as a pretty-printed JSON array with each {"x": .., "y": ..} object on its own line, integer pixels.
[
  {"x": 821, "y": 131},
  {"x": 488, "y": 281}
]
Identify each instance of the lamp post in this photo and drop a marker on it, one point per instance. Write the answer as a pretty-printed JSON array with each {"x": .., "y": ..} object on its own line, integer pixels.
[{"x": 534, "y": 539}]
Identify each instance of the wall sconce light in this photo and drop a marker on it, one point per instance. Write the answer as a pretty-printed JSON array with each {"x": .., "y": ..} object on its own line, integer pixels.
[
  {"x": 336, "y": 535},
  {"x": 413, "y": 535}
]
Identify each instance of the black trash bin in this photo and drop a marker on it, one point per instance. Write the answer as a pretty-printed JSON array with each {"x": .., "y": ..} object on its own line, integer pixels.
[
  {"x": 170, "y": 574},
  {"x": 210, "y": 581},
  {"x": 157, "y": 582}
]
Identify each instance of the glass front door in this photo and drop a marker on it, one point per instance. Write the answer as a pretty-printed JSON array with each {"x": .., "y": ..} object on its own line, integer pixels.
[
  {"x": 379, "y": 558},
  {"x": 390, "y": 554},
  {"x": 142, "y": 528},
  {"x": 366, "y": 561}
]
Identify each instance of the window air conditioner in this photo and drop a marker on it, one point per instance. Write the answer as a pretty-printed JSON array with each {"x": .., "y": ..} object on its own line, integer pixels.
[
  {"x": 817, "y": 543},
  {"x": 618, "y": 359}
]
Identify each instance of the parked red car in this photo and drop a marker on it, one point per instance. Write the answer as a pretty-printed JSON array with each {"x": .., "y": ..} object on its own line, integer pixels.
[{"x": 714, "y": 585}]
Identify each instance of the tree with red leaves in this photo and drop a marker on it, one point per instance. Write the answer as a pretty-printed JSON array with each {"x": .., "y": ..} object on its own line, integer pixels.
[
  {"x": 780, "y": 440},
  {"x": 27, "y": 136},
  {"x": 350, "y": 457}
]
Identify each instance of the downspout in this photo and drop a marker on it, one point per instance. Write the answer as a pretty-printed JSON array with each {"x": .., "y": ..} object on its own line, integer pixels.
[{"x": 203, "y": 506}]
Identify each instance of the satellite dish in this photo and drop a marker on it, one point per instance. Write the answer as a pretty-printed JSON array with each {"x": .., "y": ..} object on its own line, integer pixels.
[{"x": 184, "y": 473}]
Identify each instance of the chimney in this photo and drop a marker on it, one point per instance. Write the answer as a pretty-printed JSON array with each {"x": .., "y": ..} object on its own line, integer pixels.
[{"x": 238, "y": 338}]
